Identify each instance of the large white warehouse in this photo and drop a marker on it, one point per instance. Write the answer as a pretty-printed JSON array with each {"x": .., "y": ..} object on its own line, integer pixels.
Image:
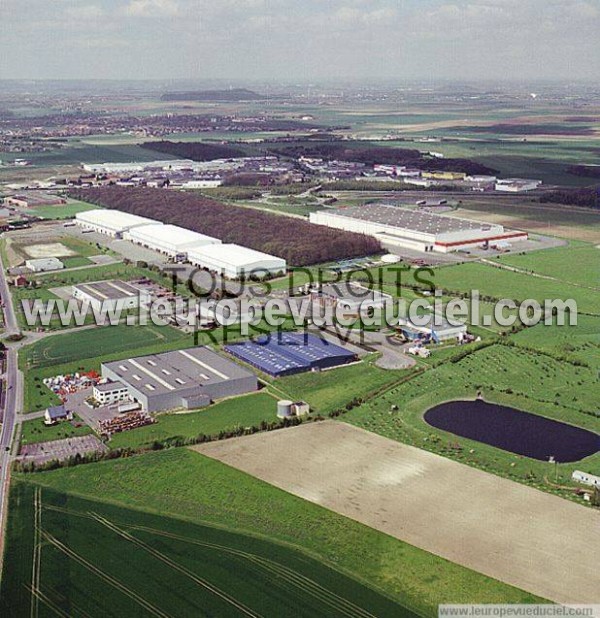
[
  {"x": 169, "y": 239},
  {"x": 112, "y": 222},
  {"x": 235, "y": 261},
  {"x": 414, "y": 229}
]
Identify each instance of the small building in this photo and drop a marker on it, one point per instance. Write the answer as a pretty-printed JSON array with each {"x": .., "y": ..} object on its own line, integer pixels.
[
  {"x": 40, "y": 265},
  {"x": 586, "y": 479},
  {"x": 20, "y": 281},
  {"x": 110, "y": 392},
  {"x": 115, "y": 295},
  {"x": 33, "y": 199},
  {"x": 290, "y": 409},
  {"x": 348, "y": 298},
  {"x": 431, "y": 328},
  {"x": 55, "y": 414}
]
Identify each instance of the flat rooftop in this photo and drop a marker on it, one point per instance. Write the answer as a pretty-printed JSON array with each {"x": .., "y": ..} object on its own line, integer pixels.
[
  {"x": 351, "y": 291},
  {"x": 109, "y": 290},
  {"x": 410, "y": 219},
  {"x": 180, "y": 370}
]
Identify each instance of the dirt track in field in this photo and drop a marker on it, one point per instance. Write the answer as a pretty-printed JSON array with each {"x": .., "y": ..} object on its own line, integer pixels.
[{"x": 516, "y": 534}]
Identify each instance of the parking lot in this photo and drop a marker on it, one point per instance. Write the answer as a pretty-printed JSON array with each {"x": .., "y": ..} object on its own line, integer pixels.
[{"x": 42, "y": 452}]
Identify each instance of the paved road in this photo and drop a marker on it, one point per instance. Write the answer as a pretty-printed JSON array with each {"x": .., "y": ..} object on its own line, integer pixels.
[{"x": 13, "y": 403}]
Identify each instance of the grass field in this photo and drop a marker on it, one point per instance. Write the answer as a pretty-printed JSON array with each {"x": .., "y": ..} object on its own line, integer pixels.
[
  {"x": 327, "y": 390},
  {"x": 499, "y": 283},
  {"x": 245, "y": 411},
  {"x": 98, "y": 342},
  {"x": 35, "y": 431},
  {"x": 573, "y": 264},
  {"x": 217, "y": 499},
  {"x": 64, "y": 211},
  {"x": 580, "y": 342},
  {"x": 525, "y": 380}
]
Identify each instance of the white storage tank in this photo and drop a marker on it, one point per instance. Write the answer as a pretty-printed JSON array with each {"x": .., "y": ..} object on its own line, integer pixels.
[{"x": 284, "y": 408}]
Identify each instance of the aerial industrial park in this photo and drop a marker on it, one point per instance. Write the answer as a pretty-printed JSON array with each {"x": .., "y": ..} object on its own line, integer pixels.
[{"x": 292, "y": 345}]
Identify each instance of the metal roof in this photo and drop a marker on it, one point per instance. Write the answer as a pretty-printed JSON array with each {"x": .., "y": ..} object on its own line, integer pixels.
[
  {"x": 170, "y": 236},
  {"x": 287, "y": 353},
  {"x": 113, "y": 219},
  {"x": 232, "y": 254},
  {"x": 407, "y": 218}
]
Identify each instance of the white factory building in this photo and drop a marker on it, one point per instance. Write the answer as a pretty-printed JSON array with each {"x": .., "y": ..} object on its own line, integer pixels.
[
  {"x": 113, "y": 295},
  {"x": 169, "y": 239},
  {"x": 407, "y": 228},
  {"x": 40, "y": 265},
  {"x": 111, "y": 222},
  {"x": 517, "y": 185},
  {"x": 235, "y": 261}
]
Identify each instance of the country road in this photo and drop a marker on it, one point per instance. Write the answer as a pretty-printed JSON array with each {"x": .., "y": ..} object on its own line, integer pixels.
[{"x": 13, "y": 402}]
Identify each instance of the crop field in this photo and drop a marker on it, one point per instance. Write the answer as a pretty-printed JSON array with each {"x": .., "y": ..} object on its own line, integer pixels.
[
  {"x": 550, "y": 219},
  {"x": 228, "y": 415},
  {"x": 526, "y": 380},
  {"x": 184, "y": 488},
  {"x": 511, "y": 532},
  {"x": 572, "y": 264},
  {"x": 165, "y": 567}
]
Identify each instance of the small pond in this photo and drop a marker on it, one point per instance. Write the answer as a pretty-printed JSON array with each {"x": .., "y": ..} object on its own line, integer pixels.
[{"x": 513, "y": 430}]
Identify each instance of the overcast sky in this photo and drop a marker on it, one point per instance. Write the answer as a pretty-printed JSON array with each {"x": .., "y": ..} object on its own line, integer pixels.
[{"x": 300, "y": 39}]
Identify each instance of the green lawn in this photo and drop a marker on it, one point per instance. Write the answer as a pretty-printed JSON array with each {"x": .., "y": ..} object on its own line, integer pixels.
[
  {"x": 35, "y": 431},
  {"x": 76, "y": 261},
  {"x": 179, "y": 483},
  {"x": 245, "y": 411},
  {"x": 508, "y": 375}
]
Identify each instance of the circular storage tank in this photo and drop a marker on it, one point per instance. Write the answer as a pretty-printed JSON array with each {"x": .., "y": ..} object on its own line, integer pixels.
[
  {"x": 284, "y": 408},
  {"x": 390, "y": 258}
]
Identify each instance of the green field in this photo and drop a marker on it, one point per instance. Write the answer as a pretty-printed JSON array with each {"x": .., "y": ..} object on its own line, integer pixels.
[
  {"x": 577, "y": 263},
  {"x": 35, "y": 431},
  {"x": 508, "y": 375},
  {"x": 159, "y": 497},
  {"x": 500, "y": 283},
  {"x": 228, "y": 415},
  {"x": 64, "y": 211},
  {"x": 578, "y": 343},
  {"x": 99, "y": 342},
  {"x": 328, "y": 390}
]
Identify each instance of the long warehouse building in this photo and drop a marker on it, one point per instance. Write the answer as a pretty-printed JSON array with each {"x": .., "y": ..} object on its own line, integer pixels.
[
  {"x": 172, "y": 240},
  {"x": 397, "y": 227},
  {"x": 111, "y": 222},
  {"x": 187, "y": 379},
  {"x": 235, "y": 261}
]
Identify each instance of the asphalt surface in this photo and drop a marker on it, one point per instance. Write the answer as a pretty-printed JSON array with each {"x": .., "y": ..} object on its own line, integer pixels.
[{"x": 12, "y": 403}]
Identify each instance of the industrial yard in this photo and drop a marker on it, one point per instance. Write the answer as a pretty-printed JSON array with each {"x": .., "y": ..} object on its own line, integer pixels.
[{"x": 409, "y": 457}]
